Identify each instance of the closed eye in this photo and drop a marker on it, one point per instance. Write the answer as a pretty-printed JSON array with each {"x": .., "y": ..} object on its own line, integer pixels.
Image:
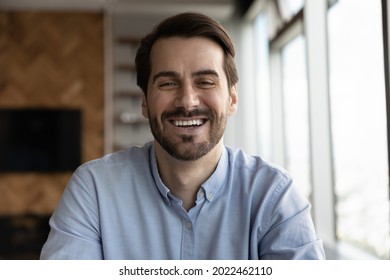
[
  {"x": 166, "y": 80},
  {"x": 167, "y": 85},
  {"x": 205, "y": 84}
]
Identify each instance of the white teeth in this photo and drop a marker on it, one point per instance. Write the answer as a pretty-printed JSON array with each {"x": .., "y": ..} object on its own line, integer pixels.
[{"x": 188, "y": 123}]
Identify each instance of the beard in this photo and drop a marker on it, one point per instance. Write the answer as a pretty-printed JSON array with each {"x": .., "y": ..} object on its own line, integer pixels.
[{"x": 186, "y": 148}]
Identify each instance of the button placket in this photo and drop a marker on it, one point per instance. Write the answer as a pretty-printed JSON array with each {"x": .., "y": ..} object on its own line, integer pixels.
[
  {"x": 188, "y": 225},
  {"x": 188, "y": 245}
]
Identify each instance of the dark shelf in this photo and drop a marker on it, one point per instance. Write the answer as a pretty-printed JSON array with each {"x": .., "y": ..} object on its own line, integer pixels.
[
  {"x": 22, "y": 236},
  {"x": 125, "y": 67},
  {"x": 129, "y": 93},
  {"x": 129, "y": 40},
  {"x": 131, "y": 120}
]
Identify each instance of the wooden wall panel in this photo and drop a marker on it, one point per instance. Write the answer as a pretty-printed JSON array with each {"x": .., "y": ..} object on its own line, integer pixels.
[{"x": 52, "y": 60}]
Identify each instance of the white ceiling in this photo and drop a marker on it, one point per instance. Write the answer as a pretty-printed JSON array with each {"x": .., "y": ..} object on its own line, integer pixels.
[{"x": 216, "y": 8}]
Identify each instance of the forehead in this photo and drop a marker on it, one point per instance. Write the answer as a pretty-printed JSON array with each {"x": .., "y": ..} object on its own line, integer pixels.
[{"x": 178, "y": 54}]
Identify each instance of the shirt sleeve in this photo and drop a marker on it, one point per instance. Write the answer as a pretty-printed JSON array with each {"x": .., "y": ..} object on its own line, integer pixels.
[
  {"x": 74, "y": 233},
  {"x": 291, "y": 234}
]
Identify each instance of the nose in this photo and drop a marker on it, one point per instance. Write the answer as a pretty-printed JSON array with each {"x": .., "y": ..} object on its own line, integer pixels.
[{"x": 187, "y": 97}]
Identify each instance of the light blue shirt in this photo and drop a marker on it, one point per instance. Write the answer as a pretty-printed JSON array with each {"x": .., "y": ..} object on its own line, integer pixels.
[{"x": 117, "y": 207}]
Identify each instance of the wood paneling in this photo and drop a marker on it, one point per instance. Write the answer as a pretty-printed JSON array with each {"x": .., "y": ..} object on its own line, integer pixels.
[{"x": 52, "y": 60}]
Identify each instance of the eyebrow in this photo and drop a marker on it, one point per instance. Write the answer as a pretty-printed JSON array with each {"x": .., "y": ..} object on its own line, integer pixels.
[
  {"x": 171, "y": 74},
  {"x": 174, "y": 74},
  {"x": 205, "y": 72}
]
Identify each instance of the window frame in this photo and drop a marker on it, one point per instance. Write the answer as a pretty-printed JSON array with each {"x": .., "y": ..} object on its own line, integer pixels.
[
  {"x": 311, "y": 21},
  {"x": 386, "y": 54},
  {"x": 321, "y": 156}
]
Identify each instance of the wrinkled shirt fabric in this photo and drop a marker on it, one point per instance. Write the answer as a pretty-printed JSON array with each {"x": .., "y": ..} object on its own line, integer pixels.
[{"x": 117, "y": 207}]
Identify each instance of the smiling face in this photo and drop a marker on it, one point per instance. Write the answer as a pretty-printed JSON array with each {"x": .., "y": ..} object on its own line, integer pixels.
[{"x": 188, "y": 99}]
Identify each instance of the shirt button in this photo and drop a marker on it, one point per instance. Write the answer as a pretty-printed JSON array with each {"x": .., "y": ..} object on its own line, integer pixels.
[
  {"x": 210, "y": 196},
  {"x": 188, "y": 225}
]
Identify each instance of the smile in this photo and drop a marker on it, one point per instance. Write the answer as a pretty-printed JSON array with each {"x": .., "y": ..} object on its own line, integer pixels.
[{"x": 189, "y": 123}]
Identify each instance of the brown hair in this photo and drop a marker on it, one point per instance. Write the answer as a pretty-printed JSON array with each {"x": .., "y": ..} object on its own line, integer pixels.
[{"x": 185, "y": 25}]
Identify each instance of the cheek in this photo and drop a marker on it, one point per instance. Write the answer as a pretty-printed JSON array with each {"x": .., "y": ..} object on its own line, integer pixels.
[
  {"x": 156, "y": 106},
  {"x": 219, "y": 104},
  {"x": 212, "y": 99}
]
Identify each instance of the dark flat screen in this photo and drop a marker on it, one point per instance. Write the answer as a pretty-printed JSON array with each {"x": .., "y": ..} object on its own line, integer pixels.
[{"x": 40, "y": 140}]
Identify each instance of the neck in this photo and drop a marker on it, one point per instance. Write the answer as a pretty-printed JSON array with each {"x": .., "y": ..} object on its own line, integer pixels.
[{"x": 184, "y": 178}]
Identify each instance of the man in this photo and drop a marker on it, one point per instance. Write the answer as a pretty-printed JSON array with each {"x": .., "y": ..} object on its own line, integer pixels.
[{"x": 184, "y": 195}]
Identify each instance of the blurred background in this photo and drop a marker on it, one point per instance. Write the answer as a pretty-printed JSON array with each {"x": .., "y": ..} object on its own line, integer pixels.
[{"x": 313, "y": 98}]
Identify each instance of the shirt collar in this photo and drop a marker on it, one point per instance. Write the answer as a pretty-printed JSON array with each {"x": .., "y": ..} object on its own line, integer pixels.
[
  {"x": 210, "y": 187},
  {"x": 214, "y": 183},
  {"x": 164, "y": 191}
]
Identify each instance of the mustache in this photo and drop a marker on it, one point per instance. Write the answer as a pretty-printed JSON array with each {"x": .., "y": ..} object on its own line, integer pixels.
[{"x": 183, "y": 113}]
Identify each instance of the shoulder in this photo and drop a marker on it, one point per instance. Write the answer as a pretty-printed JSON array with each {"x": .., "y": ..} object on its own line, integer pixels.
[
  {"x": 256, "y": 167},
  {"x": 263, "y": 183},
  {"x": 124, "y": 159},
  {"x": 270, "y": 189},
  {"x": 113, "y": 171}
]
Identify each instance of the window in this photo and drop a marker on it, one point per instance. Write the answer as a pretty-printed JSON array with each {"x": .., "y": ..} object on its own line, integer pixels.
[
  {"x": 327, "y": 116},
  {"x": 357, "y": 95},
  {"x": 289, "y": 8},
  {"x": 295, "y": 108},
  {"x": 262, "y": 86}
]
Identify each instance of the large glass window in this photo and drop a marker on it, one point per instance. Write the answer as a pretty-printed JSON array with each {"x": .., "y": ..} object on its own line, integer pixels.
[
  {"x": 296, "y": 120},
  {"x": 263, "y": 98},
  {"x": 288, "y": 8},
  {"x": 358, "y": 112}
]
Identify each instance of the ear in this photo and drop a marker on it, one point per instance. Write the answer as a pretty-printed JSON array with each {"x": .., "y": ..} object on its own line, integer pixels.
[
  {"x": 144, "y": 105},
  {"x": 233, "y": 100}
]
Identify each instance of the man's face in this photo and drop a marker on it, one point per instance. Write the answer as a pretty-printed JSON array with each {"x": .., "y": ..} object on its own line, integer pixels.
[{"x": 188, "y": 99}]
